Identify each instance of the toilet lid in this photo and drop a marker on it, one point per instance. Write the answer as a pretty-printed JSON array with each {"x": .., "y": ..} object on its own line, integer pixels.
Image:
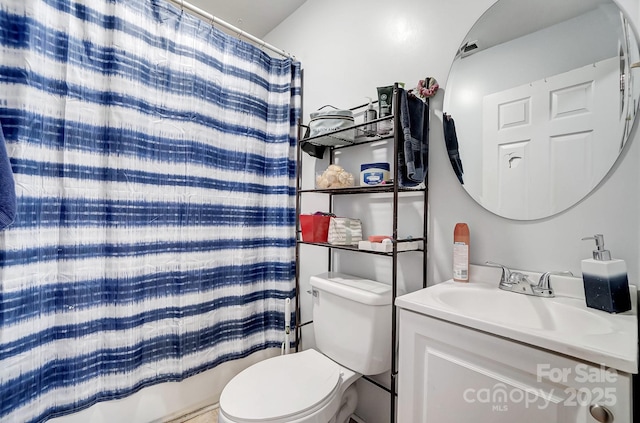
[{"x": 281, "y": 386}]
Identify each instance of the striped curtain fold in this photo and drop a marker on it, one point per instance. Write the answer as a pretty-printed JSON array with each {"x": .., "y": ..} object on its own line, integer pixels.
[{"x": 154, "y": 165}]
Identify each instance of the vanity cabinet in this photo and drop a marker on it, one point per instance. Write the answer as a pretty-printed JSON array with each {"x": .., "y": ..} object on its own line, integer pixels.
[{"x": 456, "y": 374}]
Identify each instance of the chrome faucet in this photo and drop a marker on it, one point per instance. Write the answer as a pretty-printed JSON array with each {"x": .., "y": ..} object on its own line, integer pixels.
[
  {"x": 543, "y": 289},
  {"x": 505, "y": 282},
  {"x": 520, "y": 283}
]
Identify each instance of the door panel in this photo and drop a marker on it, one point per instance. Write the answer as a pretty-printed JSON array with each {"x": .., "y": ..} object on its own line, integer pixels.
[{"x": 561, "y": 124}]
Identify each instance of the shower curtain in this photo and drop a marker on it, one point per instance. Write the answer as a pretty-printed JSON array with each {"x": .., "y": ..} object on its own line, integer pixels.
[{"x": 154, "y": 165}]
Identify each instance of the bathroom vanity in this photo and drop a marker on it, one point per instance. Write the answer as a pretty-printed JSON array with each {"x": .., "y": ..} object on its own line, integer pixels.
[{"x": 472, "y": 352}]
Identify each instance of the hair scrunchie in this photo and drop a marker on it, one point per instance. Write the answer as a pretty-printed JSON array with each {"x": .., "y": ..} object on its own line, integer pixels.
[{"x": 426, "y": 88}]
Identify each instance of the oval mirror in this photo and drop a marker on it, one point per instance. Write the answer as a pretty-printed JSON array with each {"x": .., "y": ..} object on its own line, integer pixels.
[{"x": 539, "y": 103}]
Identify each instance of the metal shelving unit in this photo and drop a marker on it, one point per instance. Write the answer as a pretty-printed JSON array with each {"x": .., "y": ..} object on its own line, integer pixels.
[{"x": 394, "y": 191}]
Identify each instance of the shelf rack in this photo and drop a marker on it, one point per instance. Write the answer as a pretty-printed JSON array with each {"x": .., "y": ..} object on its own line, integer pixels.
[{"x": 396, "y": 192}]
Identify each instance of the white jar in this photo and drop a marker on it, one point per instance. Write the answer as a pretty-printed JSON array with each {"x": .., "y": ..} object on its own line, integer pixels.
[{"x": 374, "y": 173}]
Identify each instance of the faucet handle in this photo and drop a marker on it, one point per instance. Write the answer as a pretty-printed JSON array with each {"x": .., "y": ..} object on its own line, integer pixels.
[
  {"x": 544, "y": 284},
  {"x": 506, "y": 273}
]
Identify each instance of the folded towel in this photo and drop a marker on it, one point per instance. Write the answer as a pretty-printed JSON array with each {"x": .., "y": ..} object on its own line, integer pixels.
[
  {"x": 413, "y": 157},
  {"x": 451, "y": 141},
  {"x": 7, "y": 187}
]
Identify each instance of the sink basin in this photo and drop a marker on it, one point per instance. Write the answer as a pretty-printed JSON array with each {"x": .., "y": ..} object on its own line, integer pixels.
[
  {"x": 545, "y": 314},
  {"x": 562, "y": 324}
]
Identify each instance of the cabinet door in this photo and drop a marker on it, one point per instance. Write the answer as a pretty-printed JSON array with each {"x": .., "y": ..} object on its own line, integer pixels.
[{"x": 448, "y": 373}]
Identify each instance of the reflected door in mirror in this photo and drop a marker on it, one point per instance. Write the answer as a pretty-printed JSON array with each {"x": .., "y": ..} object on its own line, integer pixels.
[{"x": 541, "y": 140}]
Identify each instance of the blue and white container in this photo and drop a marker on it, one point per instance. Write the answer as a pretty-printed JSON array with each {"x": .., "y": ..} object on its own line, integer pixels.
[{"x": 374, "y": 173}]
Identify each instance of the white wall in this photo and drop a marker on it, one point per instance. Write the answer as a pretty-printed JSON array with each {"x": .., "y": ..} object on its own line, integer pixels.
[{"x": 349, "y": 48}]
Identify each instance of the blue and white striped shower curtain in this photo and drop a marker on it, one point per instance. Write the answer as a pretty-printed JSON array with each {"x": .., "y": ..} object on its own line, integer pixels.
[{"x": 154, "y": 162}]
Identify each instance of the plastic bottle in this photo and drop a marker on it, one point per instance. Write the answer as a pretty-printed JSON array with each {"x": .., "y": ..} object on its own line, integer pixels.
[
  {"x": 385, "y": 95},
  {"x": 461, "y": 253},
  {"x": 370, "y": 114}
]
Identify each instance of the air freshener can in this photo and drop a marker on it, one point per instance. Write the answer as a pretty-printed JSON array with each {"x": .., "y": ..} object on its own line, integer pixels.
[{"x": 461, "y": 253}]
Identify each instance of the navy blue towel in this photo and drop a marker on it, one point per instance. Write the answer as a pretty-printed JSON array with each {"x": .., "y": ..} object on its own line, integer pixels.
[
  {"x": 451, "y": 140},
  {"x": 413, "y": 157},
  {"x": 7, "y": 187}
]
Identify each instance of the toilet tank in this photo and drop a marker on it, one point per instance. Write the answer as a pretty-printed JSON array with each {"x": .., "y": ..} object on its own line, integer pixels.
[{"x": 352, "y": 321}]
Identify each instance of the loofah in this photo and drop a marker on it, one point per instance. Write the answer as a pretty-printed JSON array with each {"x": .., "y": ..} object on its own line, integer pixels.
[{"x": 334, "y": 177}]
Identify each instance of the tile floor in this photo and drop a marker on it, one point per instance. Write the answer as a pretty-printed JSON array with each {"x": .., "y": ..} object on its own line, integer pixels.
[
  {"x": 208, "y": 417},
  {"x": 203, "y": 416}
]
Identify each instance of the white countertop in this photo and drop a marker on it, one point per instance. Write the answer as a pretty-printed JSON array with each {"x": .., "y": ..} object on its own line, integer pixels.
[{"x": 563, "y": 324}]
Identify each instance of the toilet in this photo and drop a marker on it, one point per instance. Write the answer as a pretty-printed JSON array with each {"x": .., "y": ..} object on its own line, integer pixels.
[{"x": 352, "y": 325}]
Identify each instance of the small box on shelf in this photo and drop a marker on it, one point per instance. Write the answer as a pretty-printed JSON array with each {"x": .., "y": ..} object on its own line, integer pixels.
[{"x": 386, "y": 246}]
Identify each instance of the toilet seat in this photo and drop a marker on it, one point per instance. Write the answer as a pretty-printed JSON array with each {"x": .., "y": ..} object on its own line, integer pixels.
[{"x": 282, "y": 387}]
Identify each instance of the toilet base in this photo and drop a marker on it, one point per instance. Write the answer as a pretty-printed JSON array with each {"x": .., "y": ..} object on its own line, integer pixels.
[{"x": 348, "y": 405}]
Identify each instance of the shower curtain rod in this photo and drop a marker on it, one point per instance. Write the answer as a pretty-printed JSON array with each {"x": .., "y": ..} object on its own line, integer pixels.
[{"x": 240, "y": 33}]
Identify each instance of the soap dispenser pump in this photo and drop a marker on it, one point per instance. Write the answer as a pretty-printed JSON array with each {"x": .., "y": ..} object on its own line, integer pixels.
[{"x": 606, "y": 286}]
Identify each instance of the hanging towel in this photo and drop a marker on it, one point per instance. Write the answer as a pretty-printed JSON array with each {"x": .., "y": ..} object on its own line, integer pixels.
[
  {"x": 7, "y": 187},
  {"x": 451, "y": 141},
  {"x": 313, "y": 150},
  {"x": 413, "y": 157}
]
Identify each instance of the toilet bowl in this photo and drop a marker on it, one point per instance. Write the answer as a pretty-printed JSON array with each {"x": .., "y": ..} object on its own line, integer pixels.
[
  {"x": 352, "y": 329},
  {"x": 305, "y": 387}
]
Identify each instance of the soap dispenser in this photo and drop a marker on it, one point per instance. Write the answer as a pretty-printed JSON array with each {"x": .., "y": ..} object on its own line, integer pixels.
[
  {"x": 370, "y": 115},
  {"x": 606, "y": 286}
]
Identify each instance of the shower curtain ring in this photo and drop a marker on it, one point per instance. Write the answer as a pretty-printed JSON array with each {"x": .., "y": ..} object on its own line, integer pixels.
[
  {"x": 182, "y": 5},
  {"x": 240, "y": 32}
]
